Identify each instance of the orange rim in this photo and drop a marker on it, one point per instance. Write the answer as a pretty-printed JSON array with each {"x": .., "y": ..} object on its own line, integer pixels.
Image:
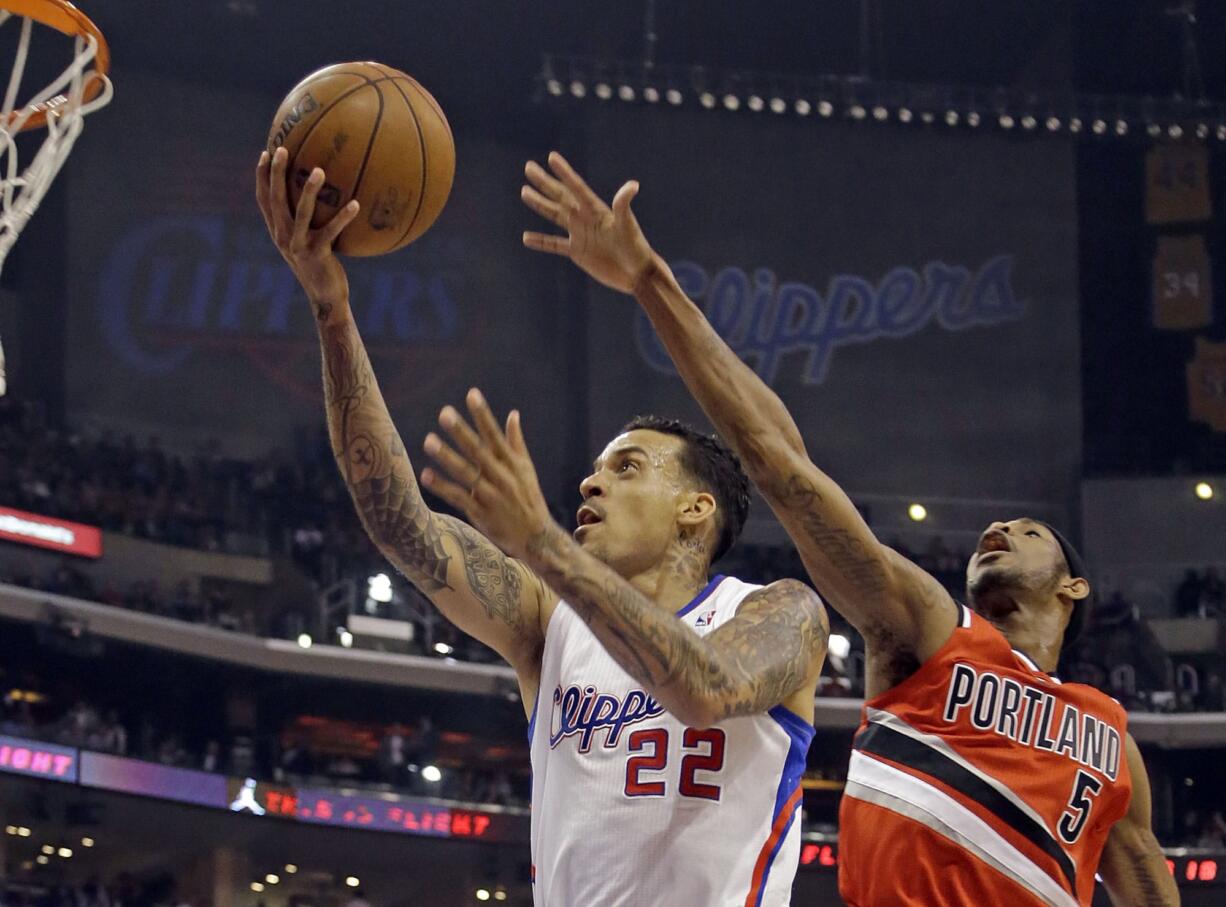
[{"x": 66, "y": 18}]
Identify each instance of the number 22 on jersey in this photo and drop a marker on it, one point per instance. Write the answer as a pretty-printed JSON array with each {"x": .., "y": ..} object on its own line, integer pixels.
[{"x": 704, "y": 752}]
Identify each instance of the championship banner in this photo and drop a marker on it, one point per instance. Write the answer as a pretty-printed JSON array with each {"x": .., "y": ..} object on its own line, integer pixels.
[
  {"x": 1207, "y": 384},
  {"x": 1177, "y": 184},
  {"x": 1183, "y": 284}
]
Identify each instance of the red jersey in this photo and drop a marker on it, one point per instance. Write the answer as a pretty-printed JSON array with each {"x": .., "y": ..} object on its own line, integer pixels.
[{"x": 981, "y": 780}]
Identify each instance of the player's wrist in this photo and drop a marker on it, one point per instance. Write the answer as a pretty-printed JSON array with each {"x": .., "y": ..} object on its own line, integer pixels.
[
  {"x": 546, "y": 549},
  {"x": 652, "y": 281},
  {"x": 329, "y": 309}
]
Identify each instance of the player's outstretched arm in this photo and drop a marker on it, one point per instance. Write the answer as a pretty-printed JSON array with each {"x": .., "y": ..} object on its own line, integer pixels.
[
  {"x": 885, "y": 596},
  {"x": 478, "y": 588},
  {"x": 773, "y": 648},
  {"x": 1133, "y": 866}
]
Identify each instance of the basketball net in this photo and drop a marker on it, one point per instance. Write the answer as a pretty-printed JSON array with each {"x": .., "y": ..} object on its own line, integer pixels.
[{"x": 61, "y": 108}]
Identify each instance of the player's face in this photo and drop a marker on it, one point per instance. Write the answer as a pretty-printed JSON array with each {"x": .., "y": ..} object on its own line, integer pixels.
[
  {"x": 630, "y": 501},
  {"x": 1016, "y": 558}
]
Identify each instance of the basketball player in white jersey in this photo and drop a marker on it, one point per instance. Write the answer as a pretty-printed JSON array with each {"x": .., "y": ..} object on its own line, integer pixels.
[{"x": 669, "y": 714}]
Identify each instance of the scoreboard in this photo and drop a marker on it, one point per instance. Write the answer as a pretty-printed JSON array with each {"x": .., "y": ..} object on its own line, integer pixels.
[{"x": 1191, "y": 869}]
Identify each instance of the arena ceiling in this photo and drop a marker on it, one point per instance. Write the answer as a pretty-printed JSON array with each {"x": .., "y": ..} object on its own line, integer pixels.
[{"x": 484, "y": 54}]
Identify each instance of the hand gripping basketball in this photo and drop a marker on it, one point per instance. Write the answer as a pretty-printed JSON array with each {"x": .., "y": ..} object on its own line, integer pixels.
[{"x": 308, "y": 252}]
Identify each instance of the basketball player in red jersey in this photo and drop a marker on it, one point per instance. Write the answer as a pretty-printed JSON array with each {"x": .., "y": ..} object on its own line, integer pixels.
[{"x": 977, "y": 777}]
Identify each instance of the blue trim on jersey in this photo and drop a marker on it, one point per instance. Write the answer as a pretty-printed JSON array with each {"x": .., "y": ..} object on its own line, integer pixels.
[
  {"x": 801, "y": 734},
  {"x": 532, "y": 721},
  {"x": 702, "y": 596}
]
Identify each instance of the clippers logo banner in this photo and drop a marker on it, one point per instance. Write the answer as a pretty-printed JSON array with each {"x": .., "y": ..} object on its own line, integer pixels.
[
  {"x": 176, "y": 284},
  {"x": 914, "y": 303},
  {"x": 48, "y": 532}
]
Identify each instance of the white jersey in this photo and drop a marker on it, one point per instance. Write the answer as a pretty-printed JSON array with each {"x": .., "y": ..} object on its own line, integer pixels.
[{"x": 630, "y": 808}]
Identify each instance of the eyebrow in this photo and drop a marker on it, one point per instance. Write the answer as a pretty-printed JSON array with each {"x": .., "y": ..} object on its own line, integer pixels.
[{"x": 621, "y": 451}]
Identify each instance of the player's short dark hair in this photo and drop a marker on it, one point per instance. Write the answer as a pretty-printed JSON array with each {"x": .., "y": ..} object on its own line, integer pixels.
[
  {"x": 1083, "y": 609},
  {"x": 715, "y": 467}
]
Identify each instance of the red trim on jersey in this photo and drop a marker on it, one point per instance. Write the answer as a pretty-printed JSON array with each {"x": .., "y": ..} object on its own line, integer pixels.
[{"x": 759, "y": 869}]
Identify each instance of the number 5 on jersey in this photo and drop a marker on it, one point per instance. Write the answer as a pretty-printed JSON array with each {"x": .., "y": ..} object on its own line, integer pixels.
[
  {"x": 1073, "y": 820},
  {"x": 707, "y": 746}
]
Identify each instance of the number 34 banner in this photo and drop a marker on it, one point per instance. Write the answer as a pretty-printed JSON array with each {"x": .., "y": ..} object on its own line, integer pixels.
[{"x": 1183, "y": 286}]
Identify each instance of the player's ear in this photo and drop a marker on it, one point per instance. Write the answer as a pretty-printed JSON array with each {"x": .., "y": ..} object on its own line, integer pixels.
[
  {"x": 695, "y": 508},
  {"x": 1075, "y": 588}
]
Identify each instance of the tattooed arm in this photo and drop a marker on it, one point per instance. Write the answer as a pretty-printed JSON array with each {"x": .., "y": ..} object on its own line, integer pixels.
[
  {"x": 771, "y": 652},
  {"x": 486, "y": 594},
  {"x": 1133, "y": 866},
  {"x": 896, "y": 605}
]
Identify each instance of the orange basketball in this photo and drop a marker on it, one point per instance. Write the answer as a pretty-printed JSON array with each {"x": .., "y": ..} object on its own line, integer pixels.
[{"x": 380, "y": 138}]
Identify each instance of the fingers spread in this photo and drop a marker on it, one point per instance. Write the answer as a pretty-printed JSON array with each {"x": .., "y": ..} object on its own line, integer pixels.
[
  {"x": 278, "y": 204},
  {"x": 625, "y": 195},
  {"x": 574, "y": 182},
  {"x": 466, "y": 440},
  {"x": 544, "y": 242},
  {"x": 276, "y": 171},
  {"x": 342, "y": 219},
  {"x": 455, "y": 495},
  {"x": 487, "y": 425},
  {"x": 540, "y": 178},
  {"x": 456, "y": 466},
  {"x": 261, "y": 187},
  {"x": 306, "y": 208},
  {"x": 551, "y": 211},
  {"x": 515, "y": 433}
]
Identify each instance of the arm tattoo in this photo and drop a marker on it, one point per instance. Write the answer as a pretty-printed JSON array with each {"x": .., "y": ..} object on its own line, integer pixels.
[
  {"x": 407, "y": 527},
  {"x": 374, "y": 463},
  {"x": 496, "y": 583},
  {"x": 770, "y": 646},
  {"x": 846, "y": 553},
  {"x": 746, "y": 667},
  {"x": 756, "y": 423}
]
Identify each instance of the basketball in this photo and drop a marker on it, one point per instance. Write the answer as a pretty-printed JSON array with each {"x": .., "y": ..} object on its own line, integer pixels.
[{"x": 379, "y": 137}]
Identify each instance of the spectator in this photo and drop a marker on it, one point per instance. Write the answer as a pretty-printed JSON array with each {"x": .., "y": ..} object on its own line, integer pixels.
[
  {"x": 295, "y": 760},
  {"x": 1213, "y": 695},
  {"x": 424, "y": 743},
  {"x": 1187, "y": 595},
  {"x": 1212, "y": 833},
  {"x": 212, "y": 757},
  {"x": 1212, "y": 594},
  {"x": 111, "y": 736},
  {"x": 393, "y": 754},
  {"x": 500, "y": 791},
  {"x": 171, "y": 752},
  {"x": 242, "y": 755}
]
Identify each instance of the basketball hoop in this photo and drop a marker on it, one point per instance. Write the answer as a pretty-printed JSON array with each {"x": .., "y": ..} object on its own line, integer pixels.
[{"x": 60, "y": 108}]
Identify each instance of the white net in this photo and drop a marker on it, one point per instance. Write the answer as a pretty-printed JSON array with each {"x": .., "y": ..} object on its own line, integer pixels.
[{"x": 63, "y": 106}]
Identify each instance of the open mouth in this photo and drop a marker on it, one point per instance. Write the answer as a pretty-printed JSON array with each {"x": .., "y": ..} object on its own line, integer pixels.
[
  {"x": 992, "y": 542},
  {"x": 587, "y": 516}
]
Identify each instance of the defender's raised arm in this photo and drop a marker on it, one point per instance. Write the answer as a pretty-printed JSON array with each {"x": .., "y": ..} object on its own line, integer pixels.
[
  {"x": 479, "y": 589},
  {"x": 885, "y": 596}
]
